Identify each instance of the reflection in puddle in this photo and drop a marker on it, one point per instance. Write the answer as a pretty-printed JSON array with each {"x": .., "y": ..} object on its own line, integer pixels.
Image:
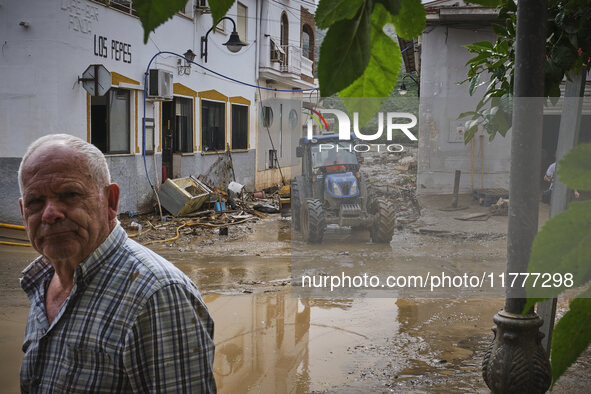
[{"x": 272, "y": 342}]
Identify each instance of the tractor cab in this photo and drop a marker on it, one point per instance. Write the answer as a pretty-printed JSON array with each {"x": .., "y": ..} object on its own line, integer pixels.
[
  {"x": 336, "y": 159},
  {"x": 331, "y": 190}
]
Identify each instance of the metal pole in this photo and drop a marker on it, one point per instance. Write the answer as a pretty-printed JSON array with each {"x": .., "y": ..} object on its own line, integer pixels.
[
  {"x": 516, "y": 361},
  {"x": 568, "y": 135},
  {"x": 454, "y": 202}
]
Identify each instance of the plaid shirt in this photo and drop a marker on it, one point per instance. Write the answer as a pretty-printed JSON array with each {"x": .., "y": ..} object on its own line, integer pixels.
[{"x": 132, "y": 323}]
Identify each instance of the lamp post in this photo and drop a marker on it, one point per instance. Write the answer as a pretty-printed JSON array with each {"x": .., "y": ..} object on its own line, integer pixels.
[
  {"x": 234, "y": 44},
  {"x": 184, "y": 66},
  {"x": 403, "y": 90},
  {"x": 516, "y": 361}
]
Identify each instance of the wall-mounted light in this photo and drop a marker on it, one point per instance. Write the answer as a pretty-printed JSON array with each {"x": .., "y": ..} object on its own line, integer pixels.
[
  {"x": 403, "y": 90},
  {"x": 184, "y": 65},
  {"x": 234, "y": 43}
]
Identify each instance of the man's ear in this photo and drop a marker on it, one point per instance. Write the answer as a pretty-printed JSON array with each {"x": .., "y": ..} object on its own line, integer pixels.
[
  {"x": 20, "y": 204},
  {"x": 113, "y": 200}
]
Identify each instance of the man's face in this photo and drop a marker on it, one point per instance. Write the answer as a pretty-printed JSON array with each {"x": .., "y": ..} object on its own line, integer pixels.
[{"x": 65, "y": 214}]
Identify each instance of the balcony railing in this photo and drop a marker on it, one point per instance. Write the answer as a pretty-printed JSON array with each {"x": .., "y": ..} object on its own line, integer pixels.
[
  {"x": 293, "y": 59},
  {"x": 307, "y": 67},
  {"x": 289, "y": 59},
  {"x": 123, "y": 5}
]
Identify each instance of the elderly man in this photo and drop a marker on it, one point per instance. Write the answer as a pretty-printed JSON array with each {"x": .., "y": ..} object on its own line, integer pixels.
[{"x": 107, "y": 315}]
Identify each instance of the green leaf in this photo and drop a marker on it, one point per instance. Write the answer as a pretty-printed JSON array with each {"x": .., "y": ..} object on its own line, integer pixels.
[
  {"x": 571, "y": 335},
  {"x": 479, "y": 46},
  {"x": 331, "y": 11},
  {"x": 411, "y": 20},
  {"x": 564, "y": 57},
  {"x": 153, "y": 13},
  {"x": 219, "y": 8},
  {"x": 563, "y": 245},
  {"x": 381, "y": 74},
  {"x": 344, "y": 53},
  {"x": 468, "y": 113},
  {"x": 574, "y": 170},
  {"x": 487, "y": 3},
  {"x": 469, "y": 133},
  {"x": 474, "y": 84},
  {"x": 392, "y": 6},
  {"x": 499, "y": 30}
]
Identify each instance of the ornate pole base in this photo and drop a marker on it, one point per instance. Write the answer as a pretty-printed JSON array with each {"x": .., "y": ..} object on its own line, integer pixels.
[{"x": 516, "y": 362}]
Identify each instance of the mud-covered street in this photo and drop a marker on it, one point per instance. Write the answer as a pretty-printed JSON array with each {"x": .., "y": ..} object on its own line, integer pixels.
[{"x": 271, "y": 338}]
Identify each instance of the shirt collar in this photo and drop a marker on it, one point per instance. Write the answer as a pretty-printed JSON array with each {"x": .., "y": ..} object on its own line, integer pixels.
[{"x": 90, "y": 265}]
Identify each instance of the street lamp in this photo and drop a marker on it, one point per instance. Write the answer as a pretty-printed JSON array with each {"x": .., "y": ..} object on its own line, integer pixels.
[
  {"x": 234, "y": 43},
  {"x": 403, "y": 90},
  {"x": 184, "y": 66}
]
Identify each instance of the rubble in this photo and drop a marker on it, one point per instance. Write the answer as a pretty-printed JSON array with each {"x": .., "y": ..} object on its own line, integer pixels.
[
  {"x": 392, "y": 176},
  {"x": 500, "y": 208},
  {"x": 217, "y": 209}
]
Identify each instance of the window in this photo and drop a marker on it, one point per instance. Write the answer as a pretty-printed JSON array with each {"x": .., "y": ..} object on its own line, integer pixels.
[
  {"x": 267, "y": 116},
  {"x": 109, "y": 121},
  {"x": 239, "y": 126},
  {"x": 184, "y": 124},
  {"x": 284, "y": 29},
  {"x": 213, "y": 125},
  {"x": 241, "y": 21},
  {"x": 308, "y": 42}
]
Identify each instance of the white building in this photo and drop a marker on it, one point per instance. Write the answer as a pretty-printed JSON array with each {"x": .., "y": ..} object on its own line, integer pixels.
[
  {"x": 451, "y": 25},
  {"x": 46, "y": 45}
]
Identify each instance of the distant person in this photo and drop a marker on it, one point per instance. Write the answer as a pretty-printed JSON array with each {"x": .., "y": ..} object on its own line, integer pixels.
[
  {"x": 550, "y": 176},
  {"x": 107, "y": 314}
]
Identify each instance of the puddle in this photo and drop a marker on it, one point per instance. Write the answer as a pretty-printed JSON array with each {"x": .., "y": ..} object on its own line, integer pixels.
[{"x": 272, "y": 342}]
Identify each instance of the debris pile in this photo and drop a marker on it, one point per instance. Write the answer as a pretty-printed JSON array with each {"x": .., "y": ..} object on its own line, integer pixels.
[
  {"x": 392, "y": 176},
  {"x": 197, "y": 208},
  {"x": 500, "y": 208}
]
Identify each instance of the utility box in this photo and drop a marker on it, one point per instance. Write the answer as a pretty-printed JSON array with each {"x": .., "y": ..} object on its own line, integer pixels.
[
  {"x": 160, "y": 85},
  {"x": 183, "y": 195}
]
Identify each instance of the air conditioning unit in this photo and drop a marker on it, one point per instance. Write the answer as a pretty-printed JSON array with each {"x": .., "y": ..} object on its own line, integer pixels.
[
  {"x": 277, "y": 56},
  {"x": 159, "y": 85},
  {"x": 202, "y": 6}
]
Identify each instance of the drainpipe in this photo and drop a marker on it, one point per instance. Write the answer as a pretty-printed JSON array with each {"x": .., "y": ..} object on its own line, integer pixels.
[
  {"x": 516, "y": 361},
  {"x": 258, "y": 19}
]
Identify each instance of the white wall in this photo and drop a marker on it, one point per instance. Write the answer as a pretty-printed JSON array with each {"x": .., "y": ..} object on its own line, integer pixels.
[{"x": 441, "y": 149}]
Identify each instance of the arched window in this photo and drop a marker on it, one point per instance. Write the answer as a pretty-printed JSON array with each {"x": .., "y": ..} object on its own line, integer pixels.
[
  {"x": 284, "y": 29},
  {"x": 308, "y": 42}
]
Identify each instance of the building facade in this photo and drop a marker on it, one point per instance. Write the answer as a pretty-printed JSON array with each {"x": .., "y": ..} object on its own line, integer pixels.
[
  {"x": 286, "y": 63},
  {"x": 483, "y": 163},
  {"x": 193, "y": 115}
]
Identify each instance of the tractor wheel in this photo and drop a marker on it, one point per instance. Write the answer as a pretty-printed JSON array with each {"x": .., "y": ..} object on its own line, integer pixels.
[
  {"x": 296, "y": 205},
  {"x": 384, "y": 223},
  {"x": 313, "y": 223}
]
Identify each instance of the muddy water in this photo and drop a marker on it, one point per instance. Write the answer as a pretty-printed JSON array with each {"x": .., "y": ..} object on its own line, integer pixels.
[
  {"x": 272, "y": 340},
  {"x": 269, "y": 340},
  {"x": 274, "y": 343}
]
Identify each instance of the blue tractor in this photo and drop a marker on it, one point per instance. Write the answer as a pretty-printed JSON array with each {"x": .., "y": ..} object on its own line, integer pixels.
[{"x": 331, "y": 190}]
